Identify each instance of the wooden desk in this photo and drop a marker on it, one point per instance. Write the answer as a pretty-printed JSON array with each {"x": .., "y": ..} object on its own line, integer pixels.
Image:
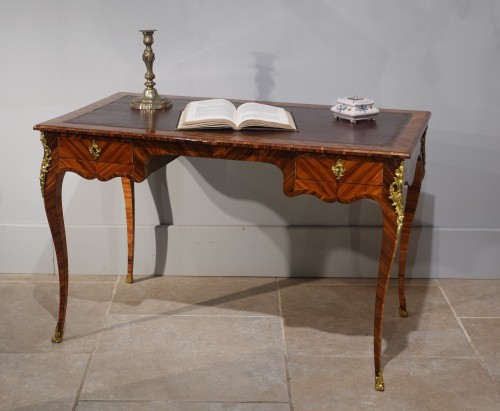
[{"x": 333, "y": 160}]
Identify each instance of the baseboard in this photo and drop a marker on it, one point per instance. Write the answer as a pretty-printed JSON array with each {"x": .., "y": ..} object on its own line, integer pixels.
[
  {"x": 251, "y": 251},
  {"x": 26, "y": 249}
]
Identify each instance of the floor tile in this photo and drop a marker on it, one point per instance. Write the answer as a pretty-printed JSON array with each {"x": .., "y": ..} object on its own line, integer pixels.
[
  {"x": 29, "y": 313},
  {"x": 473, "y": 298},
  {"x": 320, "y": 383},
  {"x": 179, "y": 406},
  {"x": 189, "y": 358},
  {"x": 328, "y": 320},
  {"x": 216, "y": 344},
  {"x": 485, "y": 336},
  {"x": 40, "y": 381},
  {"x": 197, "y": 296},
  {"x": 338, "y": 320}
]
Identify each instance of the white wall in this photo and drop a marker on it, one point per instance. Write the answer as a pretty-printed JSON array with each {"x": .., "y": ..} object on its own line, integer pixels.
[{"x": 230, "y": 218}]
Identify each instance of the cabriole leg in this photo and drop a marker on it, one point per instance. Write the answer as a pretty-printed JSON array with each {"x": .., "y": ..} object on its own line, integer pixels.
[
  {"x": 392, "y": 213},
  {"x": 129, "y": 196},
  {"x": 412, "y": 197},
  {"x": 53, "y": 208},
  {"x": 51, "y": 181},
  {"x": 389, "y": 245}
]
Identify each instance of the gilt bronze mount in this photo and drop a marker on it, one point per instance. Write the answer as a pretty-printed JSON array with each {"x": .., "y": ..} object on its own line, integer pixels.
[
  {"x": 396, "y": 195},
  {"x": 58, "y": 335},
  {"x": 379, "y": 382},
  {"x": 44, "y": 168}
]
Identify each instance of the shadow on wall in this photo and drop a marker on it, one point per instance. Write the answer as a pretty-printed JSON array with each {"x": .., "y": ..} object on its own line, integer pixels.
[
  {"x": 234, "y": 185},
  {"x": 158, "y": 185},
  {"x": 350, "y": 244},
  {"x": 264, "y": 74}
]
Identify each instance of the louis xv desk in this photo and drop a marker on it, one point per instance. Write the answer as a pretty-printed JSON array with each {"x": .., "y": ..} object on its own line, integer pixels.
[{"x": 333, "y": 160}]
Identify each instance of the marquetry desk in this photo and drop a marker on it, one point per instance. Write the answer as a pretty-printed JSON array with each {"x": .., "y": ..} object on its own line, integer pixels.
[{"x": 333, "y": 160}]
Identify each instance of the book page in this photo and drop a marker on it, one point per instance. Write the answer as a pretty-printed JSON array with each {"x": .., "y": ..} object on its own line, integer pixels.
[
  {"x": 262, "y": 112},
  {"x": 210, "y": 109}
]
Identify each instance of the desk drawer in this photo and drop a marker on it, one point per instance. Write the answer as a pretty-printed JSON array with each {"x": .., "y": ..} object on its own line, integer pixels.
[
  {"x": 355, "y": 170},
  {"x": 95, "y": 150}
]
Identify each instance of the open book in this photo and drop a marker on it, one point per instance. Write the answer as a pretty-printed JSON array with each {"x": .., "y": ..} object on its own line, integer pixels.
[{"x": 220, "y": 113}]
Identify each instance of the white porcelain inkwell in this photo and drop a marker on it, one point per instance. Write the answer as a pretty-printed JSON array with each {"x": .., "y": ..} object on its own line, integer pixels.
[{"x": 354, "y": 109}]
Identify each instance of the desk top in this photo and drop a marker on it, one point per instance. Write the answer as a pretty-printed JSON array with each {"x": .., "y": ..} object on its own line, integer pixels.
[{"x": 395, "y": 133}]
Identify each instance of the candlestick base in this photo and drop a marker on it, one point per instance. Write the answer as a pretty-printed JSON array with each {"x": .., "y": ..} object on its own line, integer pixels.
[{"x": 150, "y": 103}]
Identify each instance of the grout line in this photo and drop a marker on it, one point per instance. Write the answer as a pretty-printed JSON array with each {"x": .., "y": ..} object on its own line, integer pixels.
[
  {"x": 193, "y": 315},
  {"x": 117, "y": 281},
  {"x": 181, "y": 402},
  {"x": 455, "y": 314},
  {"x": 159, "y": 315},
  {"x": 55, "y": 281},
  {"x": 84, "y": 378},
  {"x": 98, "y": 341},
  {"x": 369, "y": 284},
  {"x": 285, "y": 355},
  {"x": 409, "y": 357}
]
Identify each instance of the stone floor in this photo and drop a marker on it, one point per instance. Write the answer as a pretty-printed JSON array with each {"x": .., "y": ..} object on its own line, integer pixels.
[{"x": 246, "y": 344}]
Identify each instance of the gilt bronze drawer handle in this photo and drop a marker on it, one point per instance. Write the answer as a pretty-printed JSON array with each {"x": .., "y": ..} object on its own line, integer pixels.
[
  {"x": 95, "y": 150},
  {"x": 338, "y": 169}
]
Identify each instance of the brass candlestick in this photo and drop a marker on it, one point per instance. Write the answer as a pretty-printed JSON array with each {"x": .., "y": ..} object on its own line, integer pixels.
[{"x": 150, "y": 100}]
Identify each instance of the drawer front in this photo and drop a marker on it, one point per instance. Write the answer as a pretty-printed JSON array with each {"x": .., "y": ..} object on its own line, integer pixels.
[
  {"x": 350, "y": 170},
  {"x": 95, "y": 150},
  {"x": 330, "y": 192},
  {"x": 95, "y": 169}
]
